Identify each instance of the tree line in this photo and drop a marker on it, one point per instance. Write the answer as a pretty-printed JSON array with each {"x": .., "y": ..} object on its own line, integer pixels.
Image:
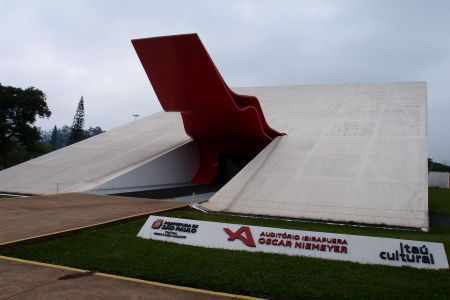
[
  {"x": 20, "y": 139},
  {"x": 60, "y": 137},
  {"x": 437, "y": 167},
  {"x": 66, "y": 135}
]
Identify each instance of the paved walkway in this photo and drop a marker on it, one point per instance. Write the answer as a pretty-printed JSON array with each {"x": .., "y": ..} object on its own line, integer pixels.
[
  {"x": 30, "y": 218},
  {"x": 25, "y": 280},
  {"x": 23, "y": 218}
]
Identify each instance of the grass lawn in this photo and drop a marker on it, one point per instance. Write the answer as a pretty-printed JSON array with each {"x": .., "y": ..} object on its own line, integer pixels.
[
  {"x": 439, "y": 202},
  {"x": 117, "y": 250}
]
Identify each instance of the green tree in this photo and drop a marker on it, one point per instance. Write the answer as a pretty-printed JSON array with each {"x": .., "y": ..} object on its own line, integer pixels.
[
  {"x": 77, "y": 131},
  {"x": 54, "y": 137},
  {"x": 92, "y": 131},
  {"x": 63, "y": 134},
  {"x": 19, "y": 109}
]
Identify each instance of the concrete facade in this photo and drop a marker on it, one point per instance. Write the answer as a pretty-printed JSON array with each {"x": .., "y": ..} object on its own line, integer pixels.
[
  {"x": 353, "y": 153},
  {"x": 439, "y": 179},
  {"x": 172, "y": 168}
]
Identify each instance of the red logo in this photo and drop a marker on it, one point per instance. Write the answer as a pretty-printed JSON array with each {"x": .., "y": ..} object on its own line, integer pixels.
[
  {"x": 157, "y": 224},
  {"x": 244, "y": 234}
]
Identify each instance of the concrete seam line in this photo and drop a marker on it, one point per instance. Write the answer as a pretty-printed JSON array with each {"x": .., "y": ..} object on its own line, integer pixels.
[
  {"x": 166, "y": 285},
  {"x": 10, "y": 243}
]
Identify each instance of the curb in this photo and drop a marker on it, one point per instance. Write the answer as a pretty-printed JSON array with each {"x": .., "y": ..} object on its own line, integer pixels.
[{"x": 159, "y": 284}]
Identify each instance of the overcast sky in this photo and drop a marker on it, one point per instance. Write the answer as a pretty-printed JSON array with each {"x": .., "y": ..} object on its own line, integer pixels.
[{"x": 73, "y": 48}]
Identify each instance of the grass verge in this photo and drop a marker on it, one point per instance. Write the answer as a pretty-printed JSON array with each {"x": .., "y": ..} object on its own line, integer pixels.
[
  {"x": 439, "y": 202},
  {"x": 117, "y": 250}
]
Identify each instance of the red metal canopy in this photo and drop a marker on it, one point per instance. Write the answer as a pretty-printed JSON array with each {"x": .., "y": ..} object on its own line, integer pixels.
[{"x": 186, "y": 80}]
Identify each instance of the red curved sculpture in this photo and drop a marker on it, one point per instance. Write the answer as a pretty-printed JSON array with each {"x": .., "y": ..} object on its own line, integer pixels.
[{"x": 186, "y": 80}]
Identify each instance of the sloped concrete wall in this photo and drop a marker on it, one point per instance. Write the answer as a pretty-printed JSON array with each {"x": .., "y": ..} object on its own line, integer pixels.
[
  {"x": 90, "y": 163},
  {"x": 353, "y": 153}
]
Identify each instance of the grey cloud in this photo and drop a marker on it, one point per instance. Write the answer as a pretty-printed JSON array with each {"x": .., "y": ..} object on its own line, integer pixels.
[{"x": 74, "y": 48}]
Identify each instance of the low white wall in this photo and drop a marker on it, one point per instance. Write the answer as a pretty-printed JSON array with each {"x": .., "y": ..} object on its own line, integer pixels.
[
  {"x": 438, "y": 179},
  {"x": 175, "y": 167}
]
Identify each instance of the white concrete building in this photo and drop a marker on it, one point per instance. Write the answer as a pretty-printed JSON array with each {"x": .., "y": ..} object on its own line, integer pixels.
[{"x": 352, "y": 153}]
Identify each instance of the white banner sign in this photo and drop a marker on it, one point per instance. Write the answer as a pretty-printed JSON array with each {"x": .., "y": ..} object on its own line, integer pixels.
[{"x": 362, "y": 249}]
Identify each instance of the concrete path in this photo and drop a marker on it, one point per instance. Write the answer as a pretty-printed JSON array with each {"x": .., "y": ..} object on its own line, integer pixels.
[
  {"x": 28, "y": 280},
  {"x": 27, "y": 217},
  {"x": 30, "y": 218}
]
